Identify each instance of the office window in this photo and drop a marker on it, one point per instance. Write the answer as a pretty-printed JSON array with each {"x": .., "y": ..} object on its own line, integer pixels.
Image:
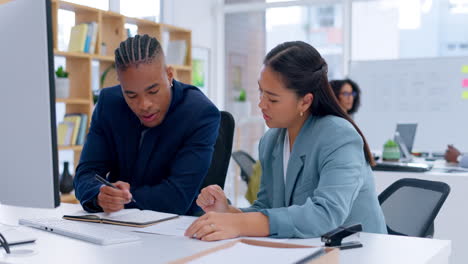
[
  {"x": 383, "y": 29},
  {"x": 318, "y": 25},
  {"x": 147, "y": 9},
  {"x": 240, "y": 1},
  {"x": 245, "y": 40},
  {"x": 67, "y": 21},
  {"x": 250, "y": 1},
  {"x": 250, "y": 35}
]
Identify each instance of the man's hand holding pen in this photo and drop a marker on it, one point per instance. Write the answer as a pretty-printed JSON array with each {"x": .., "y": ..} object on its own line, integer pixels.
[{"x": 114, "y": 199}]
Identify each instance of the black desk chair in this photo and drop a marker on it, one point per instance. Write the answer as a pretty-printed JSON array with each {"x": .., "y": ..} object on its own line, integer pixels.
[
  {"x": 222, "y": 152},
  {"x": 245, "y": 162},
  {"x": 411, "y": 205}
]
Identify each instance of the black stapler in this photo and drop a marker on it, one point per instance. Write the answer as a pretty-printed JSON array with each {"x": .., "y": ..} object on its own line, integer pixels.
[{"x": 335, "y": 237}]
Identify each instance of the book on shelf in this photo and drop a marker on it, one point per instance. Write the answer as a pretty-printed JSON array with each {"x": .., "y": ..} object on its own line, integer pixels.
[
  {"x": 72, "y": 131},
  {"x": 64, "y": 133},
  {"x": 78, "y": 38},
  {"x": 82, "y": 131},
  {"x": 91, "y": 38},
  {"x": 83, "y": 38},
  {"x": 76, "y": 120},
  {"x": 126, "y": 217},
  {"x": 176, "y": 52}
]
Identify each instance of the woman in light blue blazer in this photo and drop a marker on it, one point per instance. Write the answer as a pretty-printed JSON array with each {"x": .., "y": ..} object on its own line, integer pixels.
[{"x": 316, "y": 172}]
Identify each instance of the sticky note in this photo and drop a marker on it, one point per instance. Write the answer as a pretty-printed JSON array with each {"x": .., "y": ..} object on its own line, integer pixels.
[
  {"x": 465, "y": 95},
  {"x": 465, "y": 83},
  {"x": 465, "y": 69}
]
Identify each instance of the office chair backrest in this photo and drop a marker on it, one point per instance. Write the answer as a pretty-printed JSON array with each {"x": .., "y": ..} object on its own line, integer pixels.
[
  {"x": 222, "y": 152},
  {"x": 245, "y": 162},
  {"x": 411, "y": 205}
]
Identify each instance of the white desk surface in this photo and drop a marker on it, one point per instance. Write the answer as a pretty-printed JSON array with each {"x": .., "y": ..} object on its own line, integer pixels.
[
  {"x": 52, "y": 248},
  {"x": 453, "y": 216}
]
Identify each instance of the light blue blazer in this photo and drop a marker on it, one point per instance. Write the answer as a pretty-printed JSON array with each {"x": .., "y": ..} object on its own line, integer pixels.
[{"x": 328, "y": 181}]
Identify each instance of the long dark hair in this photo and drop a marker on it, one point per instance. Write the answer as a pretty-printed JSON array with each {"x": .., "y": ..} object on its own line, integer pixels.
[
  {"x": 336, "y": 85},
  {"x": 304, "y": 71}
]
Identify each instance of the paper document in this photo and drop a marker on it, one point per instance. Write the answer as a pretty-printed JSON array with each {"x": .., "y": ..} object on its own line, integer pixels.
[
  {"x": 244, "y": 253},
  {"x": 15, "y": 236},
  {"x": 174, "y": 227}
]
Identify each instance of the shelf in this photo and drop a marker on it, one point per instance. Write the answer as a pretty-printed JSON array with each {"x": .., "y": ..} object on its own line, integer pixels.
[
  {"x": 73, "y": 147},
  {"x": 103, "y": 58},
  {"x": 140, "y": 22},
  {"x": 174, "y": 28},
  {"x": 72, "y": 101},
  {"x": 111, "y": 14},
  {"x": 75, "y": 7},
  {"x": 68, "y": 198},
  {"x": 79, "y": 55},
  {"x": 82, "y": 55},
  {"x": 181, "y": 67}
]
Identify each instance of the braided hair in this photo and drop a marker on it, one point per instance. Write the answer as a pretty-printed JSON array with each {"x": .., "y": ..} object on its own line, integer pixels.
[{"x": 137, "y": 50}]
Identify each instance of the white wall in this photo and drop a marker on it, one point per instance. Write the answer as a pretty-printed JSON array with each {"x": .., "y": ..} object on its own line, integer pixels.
[{"x": 201, "y": 17}]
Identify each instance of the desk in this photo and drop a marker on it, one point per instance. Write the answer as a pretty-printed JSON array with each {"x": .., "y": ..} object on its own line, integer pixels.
[
  {"x": 54, "y": 248},
  {"x": 451, "y": 221}
]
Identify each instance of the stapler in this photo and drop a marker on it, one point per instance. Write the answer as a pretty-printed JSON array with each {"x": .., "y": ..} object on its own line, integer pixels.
[{"x": 334, "y": 237}]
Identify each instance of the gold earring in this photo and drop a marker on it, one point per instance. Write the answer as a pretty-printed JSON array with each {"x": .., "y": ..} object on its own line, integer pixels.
[{"x": 301, "y": 114}]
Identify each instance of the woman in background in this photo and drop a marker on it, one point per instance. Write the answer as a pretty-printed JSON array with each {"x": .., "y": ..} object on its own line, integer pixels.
[
  {"x": 348, "y": 94},
  {"x": 316, "y": 172}
]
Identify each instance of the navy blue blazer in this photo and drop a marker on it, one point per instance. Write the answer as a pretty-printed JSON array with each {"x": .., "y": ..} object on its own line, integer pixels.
[{"x": 166, "y": 173}]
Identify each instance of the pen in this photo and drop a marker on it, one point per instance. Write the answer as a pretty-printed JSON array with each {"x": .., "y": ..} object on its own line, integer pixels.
[{"x": 107, "y": 183}]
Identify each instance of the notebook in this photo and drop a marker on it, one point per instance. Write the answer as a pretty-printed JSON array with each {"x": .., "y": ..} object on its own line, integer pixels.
[{"x": 126, "y": 217}]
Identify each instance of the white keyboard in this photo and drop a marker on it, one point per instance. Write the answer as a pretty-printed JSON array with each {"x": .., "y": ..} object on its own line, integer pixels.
[{"x": 83, "y": 231}]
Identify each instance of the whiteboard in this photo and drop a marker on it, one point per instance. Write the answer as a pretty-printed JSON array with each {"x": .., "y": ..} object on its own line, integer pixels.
[{"x": 429, "y": 92}]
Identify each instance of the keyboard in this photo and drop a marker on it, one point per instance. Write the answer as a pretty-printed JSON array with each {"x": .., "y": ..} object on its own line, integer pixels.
[
  {"x": 83, "y": 231},
  {"x": 400, "y": 166}
]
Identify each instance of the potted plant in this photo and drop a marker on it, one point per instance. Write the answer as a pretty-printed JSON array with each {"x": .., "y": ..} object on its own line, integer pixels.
[
  {"x": 241, "y": 107},
  {"x": 242, "y": 96},
  {"x": 102, "y": 81},
  {"x": 391, "y": 151},
  {"x": 62, "y": 83}
]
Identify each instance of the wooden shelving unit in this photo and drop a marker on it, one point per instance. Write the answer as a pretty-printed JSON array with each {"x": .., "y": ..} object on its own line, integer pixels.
[
  {"x": 73, "y": 147},
  {"x": 111, "y": 31}
]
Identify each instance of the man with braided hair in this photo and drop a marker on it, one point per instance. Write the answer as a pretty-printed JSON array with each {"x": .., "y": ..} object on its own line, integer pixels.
[{"x": 151, "y": 135}]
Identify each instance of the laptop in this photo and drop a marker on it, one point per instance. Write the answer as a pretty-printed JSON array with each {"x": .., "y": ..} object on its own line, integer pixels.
[
  {"x": 407, "y": 134},
  {"x": 79, "y": 230},
  {"x": 404, "y": 136},
  {"x": 401, "y": 166}
]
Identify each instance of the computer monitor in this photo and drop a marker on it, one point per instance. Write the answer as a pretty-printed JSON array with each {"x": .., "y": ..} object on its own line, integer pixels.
[{"x": 28, "y": 148}]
